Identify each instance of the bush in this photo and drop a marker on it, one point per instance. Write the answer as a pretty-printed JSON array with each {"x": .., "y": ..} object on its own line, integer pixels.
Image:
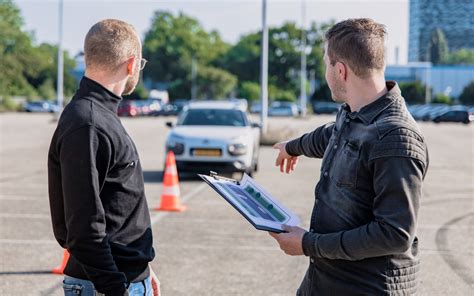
[
  {"x": 467, "y": 95},
  {"x": 442, "y": 99},
  {"x": 250, "y": 91},
  {"x": 413, "y": 92},
  {"x": 8, "y": 104}
]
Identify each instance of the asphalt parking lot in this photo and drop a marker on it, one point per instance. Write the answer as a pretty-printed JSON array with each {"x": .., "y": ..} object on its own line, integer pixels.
[{"x": 209, "y": 249}]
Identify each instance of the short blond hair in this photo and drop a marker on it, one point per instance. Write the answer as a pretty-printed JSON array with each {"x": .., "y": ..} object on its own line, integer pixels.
[{"x": 109, "y": 43}]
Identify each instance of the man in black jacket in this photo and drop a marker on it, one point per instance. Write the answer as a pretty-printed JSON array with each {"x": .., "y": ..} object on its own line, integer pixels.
[
  {"x": 362, "y": 239},
  {"x": 96, "y": 190}
]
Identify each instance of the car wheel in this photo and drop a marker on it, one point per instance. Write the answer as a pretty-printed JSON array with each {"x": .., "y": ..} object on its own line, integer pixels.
[
  {"x": 249, "y": 172},
  {"x": 255, "y": 166}
]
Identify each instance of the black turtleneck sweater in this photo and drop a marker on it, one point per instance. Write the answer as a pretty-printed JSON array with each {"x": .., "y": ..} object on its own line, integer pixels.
[{"x": 98, "y": 206}]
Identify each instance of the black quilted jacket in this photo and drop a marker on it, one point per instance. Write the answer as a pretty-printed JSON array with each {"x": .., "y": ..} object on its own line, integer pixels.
[{"x": 363, "y": 239}]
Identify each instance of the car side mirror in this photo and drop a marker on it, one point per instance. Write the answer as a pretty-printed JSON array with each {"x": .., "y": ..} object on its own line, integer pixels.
[
  {"x": 169, "y": 124},
  {"x": 256, "y": 125}
]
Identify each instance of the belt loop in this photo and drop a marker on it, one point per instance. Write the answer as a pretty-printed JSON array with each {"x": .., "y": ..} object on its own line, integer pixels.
[{"x": 144, "y": 286}]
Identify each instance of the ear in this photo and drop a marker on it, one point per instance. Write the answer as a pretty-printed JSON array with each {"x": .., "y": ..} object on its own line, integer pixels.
[
  {"x": 341, "y": 69},
  {"x": 131, "y": 65}
]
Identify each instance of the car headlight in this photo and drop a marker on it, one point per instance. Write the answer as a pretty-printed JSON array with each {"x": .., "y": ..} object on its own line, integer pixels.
[
  {"x": 237, "y": 149},
  {"x": 175, "y": 144}
]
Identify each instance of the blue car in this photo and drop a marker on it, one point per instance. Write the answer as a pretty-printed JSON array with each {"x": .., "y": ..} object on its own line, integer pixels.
[{"x": 41, "y": 106}]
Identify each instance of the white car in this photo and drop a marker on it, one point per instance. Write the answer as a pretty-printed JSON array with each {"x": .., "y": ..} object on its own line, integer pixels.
[{"x": 214, "y": 136}]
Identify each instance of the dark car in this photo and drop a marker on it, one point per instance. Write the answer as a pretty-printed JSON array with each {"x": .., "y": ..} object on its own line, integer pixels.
[
  {"x": 455, "y": 116},
  {"x": 128, "y": 108},
  {"x": 325, "y": 107}
]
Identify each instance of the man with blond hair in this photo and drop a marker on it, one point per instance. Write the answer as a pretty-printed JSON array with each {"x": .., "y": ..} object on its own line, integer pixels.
[
  {"x": 362, "y": 238},
  {"x": 96, "y": 190}
]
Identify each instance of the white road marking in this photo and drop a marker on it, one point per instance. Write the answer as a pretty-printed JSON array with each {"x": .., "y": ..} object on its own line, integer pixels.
[{"x": 160, "y": 215}]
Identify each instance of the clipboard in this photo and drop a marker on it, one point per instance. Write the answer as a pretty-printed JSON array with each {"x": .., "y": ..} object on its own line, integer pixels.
[{"x": 253, "y": 202}]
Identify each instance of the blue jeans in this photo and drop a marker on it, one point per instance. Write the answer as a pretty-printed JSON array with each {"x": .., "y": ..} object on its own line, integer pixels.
[{"x": 75, "y": 287}]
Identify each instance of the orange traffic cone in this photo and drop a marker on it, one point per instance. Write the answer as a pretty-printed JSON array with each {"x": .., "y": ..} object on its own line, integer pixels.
[
  {"x": 60, "y": 268},
  {"x": 170, "y": 196}
]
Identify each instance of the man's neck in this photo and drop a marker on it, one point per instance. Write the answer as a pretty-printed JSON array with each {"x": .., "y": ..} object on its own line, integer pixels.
[
  {"x": 365, "y": 91},
  {"x": 108, "y": 82}
]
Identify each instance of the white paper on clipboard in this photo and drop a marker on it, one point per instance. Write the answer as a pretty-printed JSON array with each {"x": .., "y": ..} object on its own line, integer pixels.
[{"x": 253, "y": 202}]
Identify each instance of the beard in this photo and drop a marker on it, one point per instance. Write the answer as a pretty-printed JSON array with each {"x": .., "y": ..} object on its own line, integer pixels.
[
  {"x": 338, "y": 91},
  {"x": 131, "y": 83}
]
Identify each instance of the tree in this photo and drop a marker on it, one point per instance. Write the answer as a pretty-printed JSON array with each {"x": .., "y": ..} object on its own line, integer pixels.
[
  {"x": 461, "y": 57},
  {"x": 28, "y": 70},
  {"x": 438, "y": 47},
  {"x": 249, "y": 90},
  {"x": 48, "y": 69},
  {"x": 16, "y": 50},
  {"x": 243, "y": 59},
  {"x": 214, "y": 83},
  {"x": 467, "y": 95},
  {"x": 171, "y": 44},
  {"x": 413, "y": 92}
]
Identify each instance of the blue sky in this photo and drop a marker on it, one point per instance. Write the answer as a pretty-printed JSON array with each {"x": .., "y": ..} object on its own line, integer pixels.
[{"x": 231, "y": 18}]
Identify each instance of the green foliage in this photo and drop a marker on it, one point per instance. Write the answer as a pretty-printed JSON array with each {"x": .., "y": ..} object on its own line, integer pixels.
[
  {"x": 277, "y": 94},
  {"x": 284, "y": 57},
  {"x": 413, "y": 92},
  {"x": 461, "y": 57},
  {"x": 139, "y": 93},
  {"x": 250, "y": 91},
  {"x": 170, "y": 45},
  {"x": 8, "y": 104},
  {"x": 438, "y": 47},
  {"x": 467, "y": 95},
  {"x": 442, "y": 99},
  {"x": 215, "y": 83},
  {"x": 27, "y": 70}
]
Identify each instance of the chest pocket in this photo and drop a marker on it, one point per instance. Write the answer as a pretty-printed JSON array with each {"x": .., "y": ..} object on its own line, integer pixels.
[
  {"x": 346, "y": 164},
  {"x": 127, "y": 158}
]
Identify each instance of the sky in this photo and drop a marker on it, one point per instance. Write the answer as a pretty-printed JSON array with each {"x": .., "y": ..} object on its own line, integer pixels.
[{"x": 231, "y": 18}]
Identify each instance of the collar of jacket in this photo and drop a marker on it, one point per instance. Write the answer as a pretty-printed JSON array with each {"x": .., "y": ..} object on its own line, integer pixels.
[
  {"x": 95, "y": 91},
  {"x": 368, "y": 113}
]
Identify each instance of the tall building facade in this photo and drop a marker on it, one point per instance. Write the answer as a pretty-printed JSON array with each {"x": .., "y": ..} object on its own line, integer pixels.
[{"x": 454, "y": 17}]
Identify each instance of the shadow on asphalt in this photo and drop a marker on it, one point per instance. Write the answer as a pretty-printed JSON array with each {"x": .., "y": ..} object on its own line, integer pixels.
[
  {"x": 157, "y": 177},
  {"x": 25, "y": 272}
]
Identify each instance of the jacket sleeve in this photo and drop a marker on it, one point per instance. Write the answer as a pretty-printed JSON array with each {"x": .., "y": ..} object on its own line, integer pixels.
[
  {"x": 312, "y": 144},
  {"x": 84, "y": 158},
  {"x": 398, "y": 171}
]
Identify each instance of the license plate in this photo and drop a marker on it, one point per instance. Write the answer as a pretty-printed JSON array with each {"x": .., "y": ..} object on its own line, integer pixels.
[{"x": 207, "y": 152}]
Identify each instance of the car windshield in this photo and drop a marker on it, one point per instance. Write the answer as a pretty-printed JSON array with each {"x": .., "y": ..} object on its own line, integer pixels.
[{"x": 218, "y": 117}]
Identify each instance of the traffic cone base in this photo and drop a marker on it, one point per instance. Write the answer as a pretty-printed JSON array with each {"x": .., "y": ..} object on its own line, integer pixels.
[{"x": 60, "y": 268}]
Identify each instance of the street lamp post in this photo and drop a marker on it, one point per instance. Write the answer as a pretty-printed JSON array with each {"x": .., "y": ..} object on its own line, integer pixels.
[
  {"x": 264, "y": 70},
  {"x": 303, "y": 61},
  {"x": 60, "y": 94}
]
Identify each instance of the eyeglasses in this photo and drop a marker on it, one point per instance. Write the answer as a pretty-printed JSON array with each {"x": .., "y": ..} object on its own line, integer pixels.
[{"x": 143, "y": 63}]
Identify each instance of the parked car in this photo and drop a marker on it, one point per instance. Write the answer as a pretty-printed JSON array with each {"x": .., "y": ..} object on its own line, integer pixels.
[
  {"x": 128, "y": 108},
  {"x": 256, "y": 107},
  {"x": 171, "y": 109},
  {"x": 278, "y": 108},
  {"x": 428, "y": 111},
  {"x": 166, "y": 110},
  {"x": 214, "y": 135},
  {"x": 41, "y": 106},
  {"x": 463, "y": 116},
  {"x": 325, "y": 107}
]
